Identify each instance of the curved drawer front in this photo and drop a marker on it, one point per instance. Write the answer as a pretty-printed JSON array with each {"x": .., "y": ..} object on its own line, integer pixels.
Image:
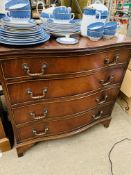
[
  {"x": 48, "y": 89},
  {"x": 29, "y": 67},
  {"x": 63, "y": 108},
  {"x": 57, "y": 127}
]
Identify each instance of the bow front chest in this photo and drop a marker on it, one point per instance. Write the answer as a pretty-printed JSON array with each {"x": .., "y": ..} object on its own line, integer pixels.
[{"x": 53, "y": 91}]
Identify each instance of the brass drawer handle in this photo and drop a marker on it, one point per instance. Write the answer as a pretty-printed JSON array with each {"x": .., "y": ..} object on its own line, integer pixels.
[
  {"x": 101, "y": 101},
  {"x": 29, "y": 92},
  {"x": 35, "y": 117},
  {"x": 107, "y": 82},
  {"x": 115, "y": 61},
  {"x": 97, "y": 116},
  {"x": 26, "y": 68},
  {"x": 35, "y": 133}
]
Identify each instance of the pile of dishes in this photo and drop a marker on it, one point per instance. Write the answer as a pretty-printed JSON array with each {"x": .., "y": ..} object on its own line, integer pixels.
[
  {"x": 95, "y": 31},
  {"x": 62, "y": 29},
  {"x": 19, "y": 29},
  {"x": 60, "y": 22},
  {"x": 21, "y": 33},
  {"x": 98, "y": 30},
  {"x": 110, "y": 29}
]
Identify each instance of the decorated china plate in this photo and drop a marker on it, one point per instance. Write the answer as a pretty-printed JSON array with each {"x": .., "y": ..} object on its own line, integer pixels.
[
  {"x": 22, "y": 43},
  {"x": 65, "y": 22},
  {"x": 24, "y": 40},
  {"x": 16, "y": 22},
  {"x": 39, "y": 35},
  {"x": 73, "y": 21},
  {"x": 65, "y": 40},
  {"x": 22, "y": 36},
  {"x": 22, "y": 32},
  {"x": 62, "y": 33}
]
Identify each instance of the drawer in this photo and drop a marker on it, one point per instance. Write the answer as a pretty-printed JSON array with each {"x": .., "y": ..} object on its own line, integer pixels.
[
  {"x": 29, "y": 67},
  {"x": 48, "y": 89},
  {"x": 57, "y": 127},
  {"x": 63, "y": 108}
]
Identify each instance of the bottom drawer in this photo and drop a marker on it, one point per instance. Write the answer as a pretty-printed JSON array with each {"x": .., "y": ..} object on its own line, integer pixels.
[{"x": 65, "y": 125}]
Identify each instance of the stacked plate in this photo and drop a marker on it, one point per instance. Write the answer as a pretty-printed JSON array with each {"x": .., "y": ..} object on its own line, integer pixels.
[
  {"x": 62, "y": 29},
  {"x": 22, "y": 32}
]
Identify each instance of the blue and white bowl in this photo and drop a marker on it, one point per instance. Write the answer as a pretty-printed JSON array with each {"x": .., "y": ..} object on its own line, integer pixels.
[
  {"x": 18, "y": 14},
  {"x": 109, "y": 33},
  {"x": 19, "y": 11},
  {"x": 63, "y": 16},
  {"x": 46, "y": 15},
  {"x": 62, "y": 9},
  {"x": 2, "y": 15},
  {"x": 97, "y": 26},
  {"x": 22, "y": 6},
  {"x": 94, "y": 35},
  {"x": 111, "y": 25},
  {"x": 11, "y": 3}
]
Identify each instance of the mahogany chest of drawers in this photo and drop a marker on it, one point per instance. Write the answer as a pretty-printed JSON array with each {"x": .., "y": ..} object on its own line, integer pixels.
[{"x": 53, "y": 91}]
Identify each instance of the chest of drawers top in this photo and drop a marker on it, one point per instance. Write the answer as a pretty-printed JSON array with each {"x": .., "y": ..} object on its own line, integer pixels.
[{"x": 52, "y": 48}]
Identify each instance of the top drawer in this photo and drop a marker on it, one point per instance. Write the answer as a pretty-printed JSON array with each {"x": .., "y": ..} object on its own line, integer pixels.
[{"x": 36, "y": 66}]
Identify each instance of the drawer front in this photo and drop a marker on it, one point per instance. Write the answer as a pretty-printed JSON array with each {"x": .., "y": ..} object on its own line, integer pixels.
[
  {"x": 28, "y": 67},
  {"x": 51, "y": 110},
  {"x": 48, "y": 89},
  {"x": 57, "y": 127}
]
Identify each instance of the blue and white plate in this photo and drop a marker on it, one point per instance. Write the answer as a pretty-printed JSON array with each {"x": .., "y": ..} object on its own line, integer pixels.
[
  {"x": 67, "y": 41},
  {"x": 61, "y": 21},
  {"x": 18, "y": 23},
  {"x": 76, "y": 21},
  {"x": 22, "y": 32},
  {"x": 19, "y": 30},
  {"x": 41, "y": 35},
  {"x": 60, "y": 34},
  {"x": 7, "y": 42},
  {"x": 73, "y": 21},
  {"x": 61, "y": 29},
  {"x": 23, "y": 36},
  {"x": 17, "y": 40},
  {"x": 69, "y": 26}
]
